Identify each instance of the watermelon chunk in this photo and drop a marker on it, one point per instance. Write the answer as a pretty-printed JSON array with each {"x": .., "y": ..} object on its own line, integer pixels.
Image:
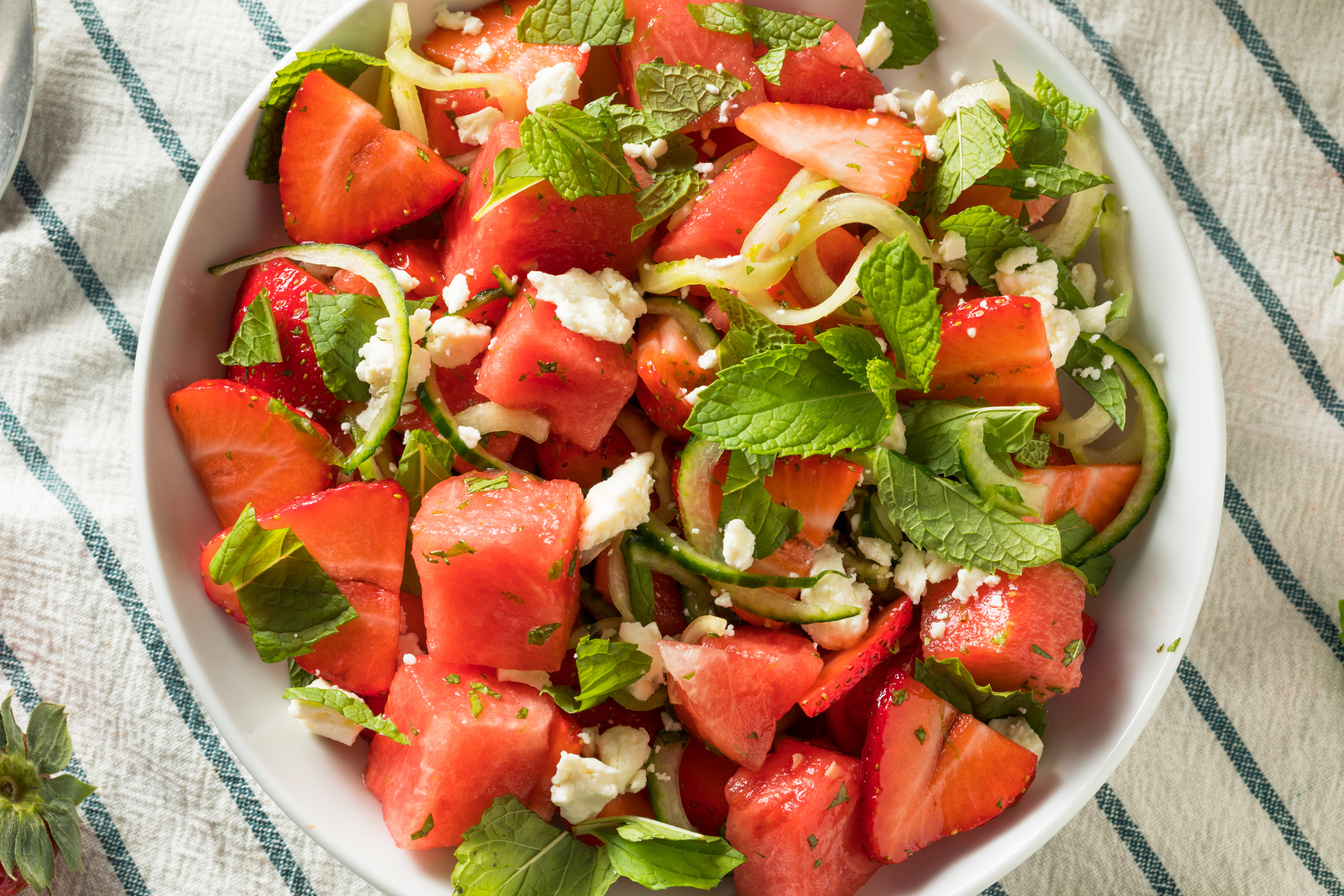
[
  {"x": 846, "y": 668},
  {"x": 829, "y": 74}
]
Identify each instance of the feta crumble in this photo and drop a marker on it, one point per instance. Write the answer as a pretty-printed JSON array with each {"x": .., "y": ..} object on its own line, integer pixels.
[
  {"x": 470, "y": 436},
  {"x": 530, "y": 677},
  {"x": 558, "y": 83},
  {"x": 648, "y": 153},
  {"x": 454, "y": 341},
  {"x": 458, "y": 21},
  {"x": 835, "y": 591},
  {"x": 626, "y": 750},
  {"x": 456, "y": 294},
  {"x": 646, "y": 638},
  {"x": 928, "y": 117},
  {"x": 1020, "y": 733},
  {"x": 485, "y": 52},
  {"x": 617, "y": 503},
  {"x": 917, "y": 569},
  {"x": 582, "y": 785},
  {"x": 951, "y": 247},
  {"x": 323, "y": 720},
  {"x": 876, "y": 550},
  {"x": 932, "y": 149},
  {"x": 969, "y": 582},
  {"x": 1093, "y": 320},
  {"x": 877, "y": 46},
  {"x": 709, "y": 360},
  {"x": 604, "y": 305},
  {"x": 739, "y": 543},
  {"x": 377, "y": 366},
  {"x": 895, "y": 439},
  {"x": 474, "y": 129}
]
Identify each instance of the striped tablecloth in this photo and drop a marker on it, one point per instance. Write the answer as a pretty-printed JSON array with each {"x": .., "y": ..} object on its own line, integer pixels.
[{"x": 1235, "y": 787}]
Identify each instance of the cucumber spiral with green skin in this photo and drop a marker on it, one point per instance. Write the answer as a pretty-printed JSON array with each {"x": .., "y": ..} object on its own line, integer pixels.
[{"x": 363, "y": 263}]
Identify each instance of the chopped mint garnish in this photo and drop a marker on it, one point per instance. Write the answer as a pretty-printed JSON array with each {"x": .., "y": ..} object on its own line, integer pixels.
[
  {"x": 745, "y": 498},
  {"x": 1037, "y": 180},
  {"x": 778, "y": 31},
  {"x": 1035, "y": 453},
  {"x": 973, "y": 142},
  {"x": 424, "y": 828},
  {"x": 1036, "y": 649},
  {"x": 842, "y": 796},
  {"x": 673, "y": 96},
  {"x": 542, "y": 633},
  {"x": 569, "y": 23},
  {"x": 288, "y": 599},
  {"x": 579, "y": 153},
  {"x": 921, "y": 734},
  {"x": 668, "y": 192},
  {"x": 513, "y": 173},
  {"x": 257, "y": 340},
  {"x": 913, "y": 33},
  {"x": 478, "y": 483},
  {"x": 1072, "y": 651},
  {"x": 353, "y": 708},
  {"x": 950, "y": 679}
]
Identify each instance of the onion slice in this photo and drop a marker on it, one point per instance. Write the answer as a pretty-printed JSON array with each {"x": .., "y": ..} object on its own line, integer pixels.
[
  {"x": 490, "y": 417},
  {"x": 404, "y": 61}
]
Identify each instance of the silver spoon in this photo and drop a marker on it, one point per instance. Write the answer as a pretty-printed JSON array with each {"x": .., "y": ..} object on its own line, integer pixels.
[{"x": 18, "y": 58}]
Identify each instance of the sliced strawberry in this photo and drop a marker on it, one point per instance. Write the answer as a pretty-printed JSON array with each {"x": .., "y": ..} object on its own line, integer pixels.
[
  {"x": 295, "y": 378},
  {"x": 559, "y": 458},
  {"x": 847, "y": 719},
  {"x": 248, "y": 447},
  {"x": 344, "y": 177},
  {"x": 669, "y": 367},
  {"x": 878, "y": 158},
  {"x": 418, "y": 258},
  {"x": 1095, "y": 491},
  {"x": 829, "y": 74},
  {"x": 930, "y": 772},
  {"x": 846, "y": 668}
]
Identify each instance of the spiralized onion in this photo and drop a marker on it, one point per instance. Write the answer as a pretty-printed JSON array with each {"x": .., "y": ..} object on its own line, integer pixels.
[
  {"x": 410, "y": 116},
  {"x": 490, "y": 417},
  {"x": 635, "y": 428},
  {"x": 404, "y": 61},
  {"x": 1071, "y": 432},
  {"x": 619, "y": 583},
  {"x": 662, "y": 480},
  {"x": 700, "y": 626}
]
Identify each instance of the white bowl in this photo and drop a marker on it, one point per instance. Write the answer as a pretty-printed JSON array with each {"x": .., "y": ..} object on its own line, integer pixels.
[{"x": 1153, "y": 597}]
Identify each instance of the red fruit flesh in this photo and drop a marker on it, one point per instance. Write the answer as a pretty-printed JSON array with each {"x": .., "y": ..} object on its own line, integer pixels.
[
  {"x": 504, "y": 572},
  {"x": 243, "y": 453},
  {"x": 577, "y": 382},
  {"x": 559, "y": 458},
  {"x": 703, "y": 776},
  {"x": 1096, "y": 491},
  {"x": 1015, "y": 634},
  {"x": 797, "y": 821},
  {"x": 344, "y": 177},
  {"x": 510, "y": 56},
  {"x": 829, "y": 74},
  {"x": 506, "y": 750},
  {"x": 362, "y": 655},
  {"x": 846, "y": 668},
  {"x": 418, "y": 258},
  {"x": 668, "y": 365},
  {"x": 731, "y": 691},
  {"x": 879, "y": 159}
]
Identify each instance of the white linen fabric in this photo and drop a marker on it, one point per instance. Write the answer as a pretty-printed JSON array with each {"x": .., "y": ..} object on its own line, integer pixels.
[{"x": 1235, "y": 786}]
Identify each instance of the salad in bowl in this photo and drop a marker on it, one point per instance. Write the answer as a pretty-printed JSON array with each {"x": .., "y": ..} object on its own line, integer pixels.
[{"x": 666, "y": 450}]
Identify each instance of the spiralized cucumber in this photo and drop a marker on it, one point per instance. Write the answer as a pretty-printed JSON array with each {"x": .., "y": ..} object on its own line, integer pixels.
[
  {"x": 490, "y": 417},
  {"x": 404, "y": 61},
  {"x": 1069, "y": 236},
  {"x": 431, "y": 399},
  {"x": 665, "y": 782},
  {"x": 365, "y": 264}
]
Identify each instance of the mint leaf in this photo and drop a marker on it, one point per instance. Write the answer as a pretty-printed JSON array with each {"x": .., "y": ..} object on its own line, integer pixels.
[
  {"x": 933, "y": 428},
  {"x": 1074, "y": 531},
  {"x": 639, "y": 581},
  {"x": 884, "y": 381},
  {"x": 898, "y": 287},
  {"x": 604, "y": 668},
  {"x": 1072, "y": 115},
  {"x": 913, "y": 33},
  {"x": 989, "y": 234},
  {"x": 852, "y": 348},
  {"x": 748, "y": 501},
  {"x": 771, "y": 64},
  {"x": 477, "y": 483},
  {"x": 49, "y": 746},
  {"x": 659, "y": 855},
  {"x": 789, "y": 31},
  {"x": 426, "y": 460},
  {"x": 673, "y": 96},
  {"x": 353, "y": 708},
  {"x": 1087, "y": 366},
  {"x": 946, "y": 517},
  {"x": 512, "y": 852},
  {"x": 1055, "y": 182},
  {"x": 580, "y": 154},
  {"x": 633, "y": 125},
  {"x": 1096, "y": 571},
  {"x": 542, "y": 633},
  {"x": 338, "y": 326},
  {"x": 1035, "y": 453},
  {"x": 299, "y": 677},
  {"x": 750, "y": 332},
  {"x": 569, "y": 23},
  {"x": 1120, "y": 306},
  {"x": 789, "y": 400},
  {"x": 973, "y": 142},
  {"x": 514, "y": 173},
  {"x": 344, "y": 66},
  {"x": 289, "y": 601},
  {"x": 1035, "y": 136},
  {"x": 949, "y": 679},
  {"x": 668, "y": 192},
  {"x": 257, "y": 339}
]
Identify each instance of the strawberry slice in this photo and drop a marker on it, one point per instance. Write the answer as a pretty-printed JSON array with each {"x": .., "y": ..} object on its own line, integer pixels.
[
  {"x": 929, "y": 771},
  {"x": 668, "y": 364},
  {"x": 344, "y": 177},
  {"x": 248, "y": 447},
  {"x": 295, "y": 378},
  {"x": 878, "y": 158},
  {"x": 418, "y": 258},
  {"x": 846, "y": 668},
  {"x": 1095, "y": 491}
]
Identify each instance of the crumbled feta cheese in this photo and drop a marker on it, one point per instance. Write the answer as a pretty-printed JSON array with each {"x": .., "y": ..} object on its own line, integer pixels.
[
  {"x": 617, "y": 503},
  {"x": 377, "y": 366},
  {"x": 604, "y": 305},
  {"x": 558, "y": 83},
  {"x": 1030, "y": 183},
  {"x": 626, "y": 750},
  {"x": 951, "y": 247},
  {"x": 459, "y": 66},
  {"x": 648, "y": 153},
  {"x": 834, "y": 591},
  {"x": 956, "y": 280},
  {"x": 928, "y": 117},
  {"x": 1159, "y": 358},
  {"x": 408, "y": 659},
  {"x": 725, "y": 600},
  {"x": 456, "y": 294},
  {"x": 917, "y": 569},
  {"x": 899, "y": 102},
  {"x": 1107, "y": 362},
  {"x": 404, "y": 280},
  {"x": 1093, "y": 320},
  {"x": 582, "y": 786},
  {"x": 932, "y": 149},
  {"x": 324, "y": 720},
  {"x": 671, "y": 724},
  {"x": 485, "y": 52},
  {"x": 937, "y": 629},
  {"x": 877, "y": 46},
  {"x": 703, "y": 168},
  {"x": 958, "y": 78},
  {"x": 895, "y": 439},
  {"x": 585, "y": 47},
  {"x": 1061, "y": 331},
  {"x": 709, "y": 360},
  {"x": 1020, "y": 733},
  {"x": 454, "y": 341},
  {"x": 474, "y": 129},
  {"x": 1087, "y": 373},
  {"x": 1016, "y": 258},
  {"x": 876, "y": 550},
  {"x": 470, "y": 436},
  {"x": 693, "y": 396},
  {"x": 530, "y": 677},
  {"x": 970, "y": 331},
  {"x": 969, "y": 582},
  {"x": 739, "y": 543},
  {"x": 646, "y": 638},
  {"x": 1039, "y": 280},
  {"x": 458, "y": 21}
]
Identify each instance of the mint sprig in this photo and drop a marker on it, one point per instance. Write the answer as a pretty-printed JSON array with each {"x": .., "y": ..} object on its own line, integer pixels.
[
  {"x": 570, "y": 23},
  {"x": 745, "y": 498},
  {"x": 658, "y": 855},
  {"x": 947, "y": 518},
  {"x": 38, "y": 811},
  {"x": 579, "y": 153},
  {"x": 353, "y": 708},
  {"x": 1071, "y": 114},
  {"x": 973, "y": 142},
  {"x": 1074, "y": 532},
  {"x": 749, "y": 332},
  {"x": 673, "y": 96},
  {"x": 512, "y": 852},
  {"x": 778, "y": 31},
  {"x": 933, "y": 429},
  {"x": 1038, "y": 180},
  {"x": 514, "y": 173},
  {"x": 898, "y": 286},
  {"x": 338, "y": 326},
  {"x": 1087, "y": 366},
  {"x": 989, "y": 234},
  {"x": 344, "y": 66},
  {"x": 257, "y": 340},
  {"x": 913, "y": 33},
  {"x": 426, "y": 460},
  {"x": 605, "y": 667},
  {"x": 288, "y": 599},
  {"x": 1035, "y": 135},
  {"x": 951, "y": 680}
]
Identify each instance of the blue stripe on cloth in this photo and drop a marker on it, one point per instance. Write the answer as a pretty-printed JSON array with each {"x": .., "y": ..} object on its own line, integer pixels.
[
  {"x": 69, "y": 251},
  {"x": 95, "y": 813},
  {"x": 994, "y": 890},
  {"x": 1283, "y": 322},
  {"x": 1283, "y": 82},
  {"x": 1253, "y": 777},
  {"x": 1158, "y": 877},
  {"x": 164, "y": 663},
  {"x": 266, "y": 26},
  {"x": 130, "y": 79},
  {"x": 1279, "y": 572}
]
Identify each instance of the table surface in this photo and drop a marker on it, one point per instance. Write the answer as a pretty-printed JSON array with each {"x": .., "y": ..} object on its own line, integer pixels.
[{"x": 1235, "y": 786}]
